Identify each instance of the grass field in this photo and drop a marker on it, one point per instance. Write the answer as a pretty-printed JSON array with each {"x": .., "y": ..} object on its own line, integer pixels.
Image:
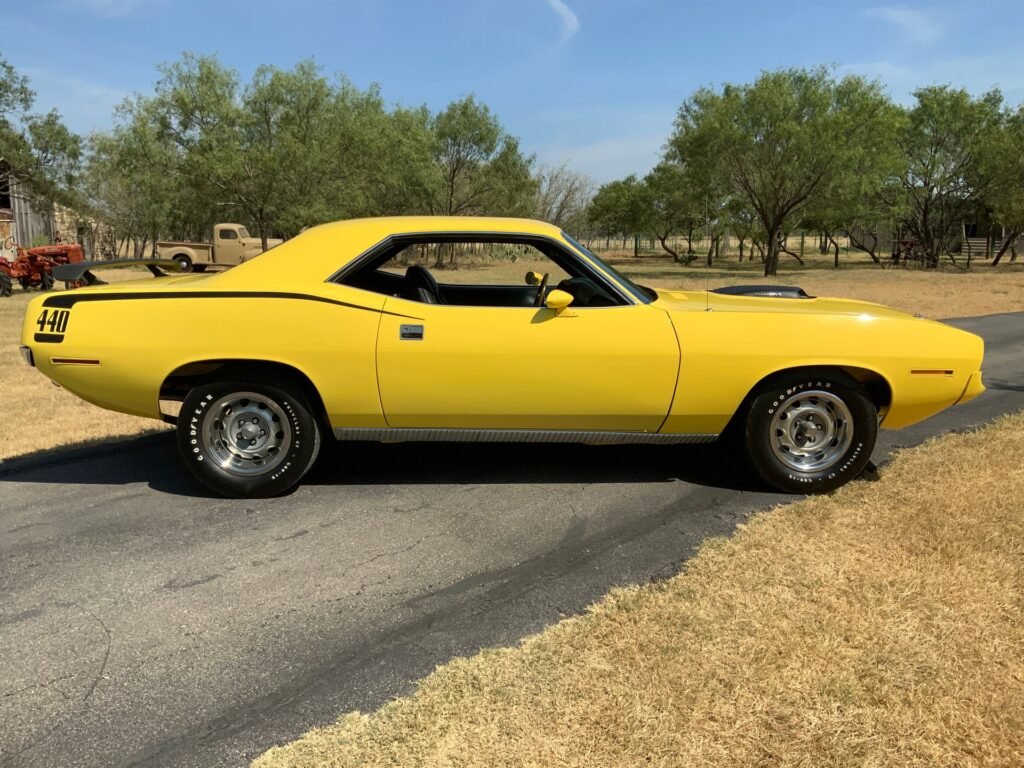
[
  {"x": 881, "y": 626},
  {"x": 40, "y": 416}
]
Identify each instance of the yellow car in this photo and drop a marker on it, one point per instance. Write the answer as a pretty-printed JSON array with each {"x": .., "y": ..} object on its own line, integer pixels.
[{"x": 346, "y": 331}]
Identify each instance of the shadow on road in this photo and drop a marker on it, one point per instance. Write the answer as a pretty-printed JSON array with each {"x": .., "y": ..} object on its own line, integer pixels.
[{"x": 154, "y": 460}]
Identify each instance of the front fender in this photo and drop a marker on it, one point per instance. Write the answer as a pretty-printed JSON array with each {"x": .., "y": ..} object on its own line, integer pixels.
[{"x": 927, "y": 365}]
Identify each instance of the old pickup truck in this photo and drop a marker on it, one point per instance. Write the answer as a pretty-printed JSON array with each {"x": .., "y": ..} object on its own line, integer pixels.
[{"x": 231, "y": 245}]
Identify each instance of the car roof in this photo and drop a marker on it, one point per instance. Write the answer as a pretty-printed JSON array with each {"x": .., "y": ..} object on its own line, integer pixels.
[{"x": 318, "y": 252}]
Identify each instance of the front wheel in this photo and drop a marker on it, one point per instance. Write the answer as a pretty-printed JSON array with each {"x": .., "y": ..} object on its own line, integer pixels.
[
  {"x": 811, "y": 433},
  {"x": 247, "y": 440}
]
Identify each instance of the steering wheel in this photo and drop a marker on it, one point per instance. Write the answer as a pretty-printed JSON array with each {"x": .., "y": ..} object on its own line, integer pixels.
[{"x": 539, "y": 300}]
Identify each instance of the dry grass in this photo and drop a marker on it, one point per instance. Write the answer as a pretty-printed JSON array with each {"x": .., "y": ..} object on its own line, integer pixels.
[
  {"x": 880, "y": 626},
  {"x": 39, "y": 416}
]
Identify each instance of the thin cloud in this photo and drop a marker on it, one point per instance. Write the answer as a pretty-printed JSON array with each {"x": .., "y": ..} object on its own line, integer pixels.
[
  {"x": 919, "y": 23},
  {"x": 570, "y": 22}
]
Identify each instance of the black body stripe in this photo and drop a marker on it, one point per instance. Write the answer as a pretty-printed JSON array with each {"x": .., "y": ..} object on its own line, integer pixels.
[
  {"x": 49, "y": 338},
  {"x": 70, "y": 298}
]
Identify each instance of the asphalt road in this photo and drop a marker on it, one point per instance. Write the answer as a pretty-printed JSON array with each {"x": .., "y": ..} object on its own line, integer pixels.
[{"x": 144, "y": 623}]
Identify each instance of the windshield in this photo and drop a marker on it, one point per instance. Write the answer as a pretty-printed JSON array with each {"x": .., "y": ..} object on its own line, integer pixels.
[
  {"x": 243, "y": 232},
  {"x": 641, "y": 294}
]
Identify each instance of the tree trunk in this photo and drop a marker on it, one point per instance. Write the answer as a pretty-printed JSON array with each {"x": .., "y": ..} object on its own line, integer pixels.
[
  {"x": 771, "y": 261},
  {"x": 1006, "y": 245},
  {"x": 741, "y": 248},
  {"x": 861, "y": 246},
  {"x": 783, "y": 249},
  {"x": 671, "y": 252}
]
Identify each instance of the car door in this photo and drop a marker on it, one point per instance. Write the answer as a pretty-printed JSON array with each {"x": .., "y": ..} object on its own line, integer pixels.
[
  {"x": 476, "y": 367},
  {"x": 229, "y": 248}
]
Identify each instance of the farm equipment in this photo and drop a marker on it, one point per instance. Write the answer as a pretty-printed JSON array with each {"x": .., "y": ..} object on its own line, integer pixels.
[{"x": 33, "y": 267}]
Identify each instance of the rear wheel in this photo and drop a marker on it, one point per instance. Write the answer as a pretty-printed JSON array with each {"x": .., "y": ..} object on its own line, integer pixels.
[
  {"x": 46, "y": 282},
  {"x": 811, "y": 432},
  {"x": 6, "y": 288},
  {"x": 247, "y": 439},
  {"x": 184, "y": 262}
]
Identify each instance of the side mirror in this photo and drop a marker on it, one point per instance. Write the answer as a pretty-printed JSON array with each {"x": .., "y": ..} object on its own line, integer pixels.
[
  {"x": 558, "y": 300},
  {"x": 533, "y": 278}
]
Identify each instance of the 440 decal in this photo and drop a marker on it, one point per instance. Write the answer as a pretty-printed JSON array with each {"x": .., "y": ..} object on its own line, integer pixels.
[{"x": 52, "y": 325}]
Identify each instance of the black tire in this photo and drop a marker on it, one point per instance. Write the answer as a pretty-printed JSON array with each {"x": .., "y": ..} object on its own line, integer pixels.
[
  {"x": 810, "y": 432},
  {"x": 6, "y": 288},
  {"x": 46, "y": 282},
  {"x": 206, "y": 442},
  {"x": 184, "y": 262}
]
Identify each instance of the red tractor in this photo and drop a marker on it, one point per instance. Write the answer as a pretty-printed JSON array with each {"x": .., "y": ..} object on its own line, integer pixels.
[{"x": 33, "y": 267}]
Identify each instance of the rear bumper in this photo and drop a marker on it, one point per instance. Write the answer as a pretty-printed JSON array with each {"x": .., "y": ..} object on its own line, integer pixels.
[{"x": 973, "y": 389}]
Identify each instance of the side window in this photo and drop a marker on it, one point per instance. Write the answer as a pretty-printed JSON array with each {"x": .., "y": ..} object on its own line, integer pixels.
[
  {"x": 479, "y": 272},
  {"x": 481, "y": 264},
  {"x": 227, "y": 234}
]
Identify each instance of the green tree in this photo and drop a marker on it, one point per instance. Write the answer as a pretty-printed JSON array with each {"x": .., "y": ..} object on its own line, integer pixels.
[
  {"x": 950, "y": 145},
  {"x": 780, "y": 140},
  {"x": 1005, "y": 198},
  {"x": 482, "y": 168},
  {"x": 620, "y": 208},
  {"x": 671, "y": 207},
  {"x": 40, "y": 154}
]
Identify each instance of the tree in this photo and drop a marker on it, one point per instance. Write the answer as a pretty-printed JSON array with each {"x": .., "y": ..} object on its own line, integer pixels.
[
  {"x": 562, "y": 196},
  {"x": 781, "y": 140},
  {"x": 1005, "y": 199},
  {"x": 38, "y": 151},
  {"x": 620, "y": 208},
  {"x": 670, "y": 206},
  {"x": 949, "y": 143},
  {"x": 482, "y": 167},
  {"x": 134, "y": 183}
]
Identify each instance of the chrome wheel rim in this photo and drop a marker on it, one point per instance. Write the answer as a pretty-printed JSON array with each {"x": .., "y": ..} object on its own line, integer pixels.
[
  {"x": 246, "y": 434},
  {"x": 811, "y": 430}
]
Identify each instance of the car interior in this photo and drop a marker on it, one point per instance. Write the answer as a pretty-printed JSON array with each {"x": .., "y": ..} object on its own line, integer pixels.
[{"x": 396, "y": 268}]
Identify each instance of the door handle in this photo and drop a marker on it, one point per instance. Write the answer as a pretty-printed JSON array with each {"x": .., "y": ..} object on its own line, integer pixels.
[{"x": 410, "y": 332}]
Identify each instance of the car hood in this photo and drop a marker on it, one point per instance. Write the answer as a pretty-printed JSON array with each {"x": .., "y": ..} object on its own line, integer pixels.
[{"x": 719, "y": 302}]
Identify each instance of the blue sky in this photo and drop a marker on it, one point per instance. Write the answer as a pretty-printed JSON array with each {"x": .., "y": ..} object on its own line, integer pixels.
[{"x": 593, "y": 82}]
